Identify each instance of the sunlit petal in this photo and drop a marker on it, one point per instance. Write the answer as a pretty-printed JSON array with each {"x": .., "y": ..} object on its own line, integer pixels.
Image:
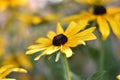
[
  {"x": 48, "y": 51},
  {"x": 68, "y": 52},
  {"x": 51, "y": 34},
  {"x": 59, "y": 29},
  {"x": 115, "y": 26},
  {"x": 32, "y": 51},
  {"x": 103, "y": 27},
  {"x": 113, "y": 10}
]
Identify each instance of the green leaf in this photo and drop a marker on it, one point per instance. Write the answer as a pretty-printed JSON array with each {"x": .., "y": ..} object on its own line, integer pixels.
[{"x": 97, "y": 76}]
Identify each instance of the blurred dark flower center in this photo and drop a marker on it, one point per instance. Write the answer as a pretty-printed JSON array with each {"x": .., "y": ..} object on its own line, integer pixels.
[
  {"x": 99, "y": 10},
  {"x": 59, "y": 40}
]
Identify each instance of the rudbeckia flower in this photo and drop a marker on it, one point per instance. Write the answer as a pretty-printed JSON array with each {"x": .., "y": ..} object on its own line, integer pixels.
[
  {"x": 102, "y": 15},
  {"x": 62, "y": 40},
  {"x": 7, "y": 69}
]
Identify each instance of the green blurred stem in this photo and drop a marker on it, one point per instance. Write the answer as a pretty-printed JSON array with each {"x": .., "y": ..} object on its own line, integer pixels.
[
  {"x": 101, "y": 55},
  {"x": 66, "y": 66}
]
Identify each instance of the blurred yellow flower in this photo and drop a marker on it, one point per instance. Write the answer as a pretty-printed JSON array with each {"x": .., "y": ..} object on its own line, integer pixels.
[
  {"x": 11, "y": 3},
  {"x": 103, "y": 16},
  {"x": 7, "y": 69},
  {"x": 26, "y": 20},
  {"x": 50, "y": 17},
  {"x": 118, "y": 77},
  {"x": 3, "y": 43},
  {"x": 29, "y": 19},
  {"x": 62, "y": 40},
  {"x": 18, "y": 59}
]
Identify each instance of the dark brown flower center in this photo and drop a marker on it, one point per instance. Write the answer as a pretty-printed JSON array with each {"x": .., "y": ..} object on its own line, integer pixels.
[
  {"x": 59, "y": 40},
  {"x": 99, "y": 10}
]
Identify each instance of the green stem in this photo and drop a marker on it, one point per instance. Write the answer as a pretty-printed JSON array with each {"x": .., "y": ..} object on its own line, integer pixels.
[
  {"x": 101, "y": 55},
  {"x": 66, "y": 66}
]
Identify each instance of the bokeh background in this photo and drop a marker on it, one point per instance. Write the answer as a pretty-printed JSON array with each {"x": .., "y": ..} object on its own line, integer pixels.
[{"x": 24, "y": 21}]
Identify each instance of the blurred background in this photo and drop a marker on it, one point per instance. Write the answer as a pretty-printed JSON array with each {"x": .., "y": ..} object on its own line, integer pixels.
[{"x": 24, "y": 21}]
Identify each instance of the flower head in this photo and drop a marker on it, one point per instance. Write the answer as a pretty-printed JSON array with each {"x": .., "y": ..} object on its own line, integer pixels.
[
  {"x": 7, "y": 69},
  {"x": 103, "y": 16},
  {"x": 62, "y": 40}
]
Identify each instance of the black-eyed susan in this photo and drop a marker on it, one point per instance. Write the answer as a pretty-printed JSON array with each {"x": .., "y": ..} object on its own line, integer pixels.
[
  {"x": 62, "y": 40},
  {"x": 7, "y": 69},
  {"x": 102, "y": 15}
]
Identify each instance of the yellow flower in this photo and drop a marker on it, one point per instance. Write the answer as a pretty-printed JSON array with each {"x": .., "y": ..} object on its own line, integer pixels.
[
  {"x": 118, "y": 77},
  {"x": 7, "y": 69},
  {"x": 4, "y": 4},
  {"x": 62, "y": 40},
  {"x": 19, "y": 59},
  {"x": 26, "y": 20},
  {"x": 50, "y": 17},
  {"x": 29, "y": 19},
  {"x": 103, "y": 16}
]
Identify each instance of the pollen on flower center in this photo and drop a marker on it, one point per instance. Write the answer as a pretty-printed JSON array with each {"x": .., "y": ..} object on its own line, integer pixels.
[
  {"x": 99, "y": 10},
  {"x": 59, "y": 40}
]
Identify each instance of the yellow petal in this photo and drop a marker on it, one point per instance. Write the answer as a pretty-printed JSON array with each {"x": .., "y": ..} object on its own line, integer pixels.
[
  {"x": 113, "y": 10},
  {"x": 42, "y": 40},
  {"x": 87, "y": 37},
  {"x": 49, "y": 51},
  {"x": 39, "y": 56},
  {"x": 73, "y": 41},
  {"x": 35, "y": 46},
  {"x": 68, "y": 52},
  {"x": 7, "y": 69},
  {"x": 71, "y": 18},
  {"x": 95, "y": 2},
  {"x": 72, "y": 29},
  {"x": 24, "y": 61},
  {"x": 85, "y": 32},
  {"x": 59, "y": 29},
  {"x": 4, "y": 68},
  {"x": 33, "y": 51},
  {"x": 115, "y": 26},
  {"x": 81, "y": 25},
  {"x": 7, "y": 79},
  {"x": 103, "y": 27},
  {"x": 19, "y": 70},
  {"x": 51, "y": 34},
  {"x": 87, "y": 1},
  {"x": 84, "y": 36}
]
